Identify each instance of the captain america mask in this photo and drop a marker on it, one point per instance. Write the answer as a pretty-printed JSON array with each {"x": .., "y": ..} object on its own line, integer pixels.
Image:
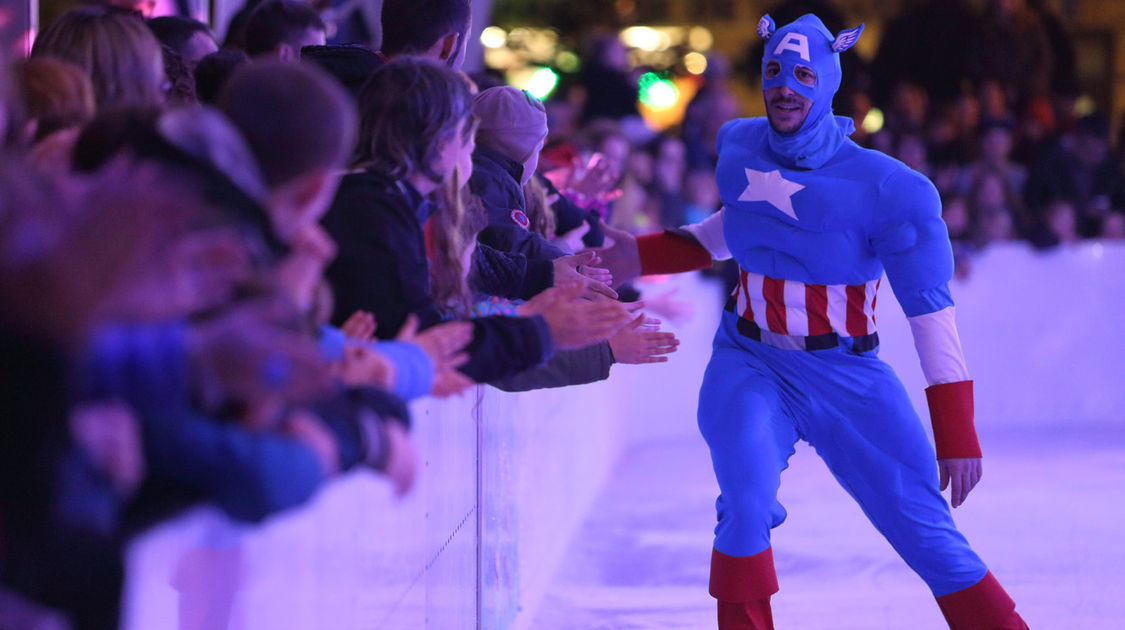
[
  {"x": 786, "y": 110},
  {"x": 802, "y": 57}
]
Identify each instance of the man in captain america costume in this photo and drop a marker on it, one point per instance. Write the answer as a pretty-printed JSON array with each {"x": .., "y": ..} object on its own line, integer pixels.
[{"x": 813, "y": 220}]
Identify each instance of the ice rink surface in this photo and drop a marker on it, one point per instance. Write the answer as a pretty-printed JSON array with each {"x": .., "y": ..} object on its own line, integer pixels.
[{"x": 1048, "y": 518}]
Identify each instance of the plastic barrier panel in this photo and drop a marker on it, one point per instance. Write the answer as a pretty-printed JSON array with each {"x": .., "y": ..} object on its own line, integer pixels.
[{"x": 505, "y": 479}]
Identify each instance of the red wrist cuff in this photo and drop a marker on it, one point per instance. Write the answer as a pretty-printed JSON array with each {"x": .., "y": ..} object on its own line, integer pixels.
[
  {"x": 951, "y": 413},
  {"x": 665, "y": 252}
]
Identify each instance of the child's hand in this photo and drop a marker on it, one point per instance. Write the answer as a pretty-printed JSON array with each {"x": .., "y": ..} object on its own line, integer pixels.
[
  {"x": 639, "y": 342},
  {"x": 360, "y": 326},
  {"x": 110, "y": 434},
  {"x": 402, "y": 462},
  {"x": 362, "y": 366}
]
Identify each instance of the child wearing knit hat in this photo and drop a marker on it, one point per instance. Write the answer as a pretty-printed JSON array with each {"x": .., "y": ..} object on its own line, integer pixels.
[
  {"x": 513, "y": 123},
  {"x": 512, "y": 126}
]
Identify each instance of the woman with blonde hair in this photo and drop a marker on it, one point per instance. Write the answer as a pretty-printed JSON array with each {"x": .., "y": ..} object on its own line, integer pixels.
[
  {"x": 117, "y": 51},
  {"x": 415, "y": 136}
]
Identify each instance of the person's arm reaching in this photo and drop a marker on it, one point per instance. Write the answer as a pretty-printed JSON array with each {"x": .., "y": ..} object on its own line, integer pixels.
[
  {"x": 250, "y": 475},
  {"x": 688, "y": 248}
]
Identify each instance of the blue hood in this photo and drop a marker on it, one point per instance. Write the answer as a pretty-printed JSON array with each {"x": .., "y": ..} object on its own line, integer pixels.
[{"x": 807, "y": 42}]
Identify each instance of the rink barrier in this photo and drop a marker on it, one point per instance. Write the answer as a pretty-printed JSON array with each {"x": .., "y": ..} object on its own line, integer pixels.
[{"x": 506, "y": 479}]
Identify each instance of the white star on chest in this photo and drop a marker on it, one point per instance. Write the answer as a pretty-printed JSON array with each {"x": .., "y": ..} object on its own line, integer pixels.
[{"x": 770, "y": 187}]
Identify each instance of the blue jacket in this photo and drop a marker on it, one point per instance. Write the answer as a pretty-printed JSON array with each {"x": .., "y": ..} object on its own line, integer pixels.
[{"x": 190, "y": 457}]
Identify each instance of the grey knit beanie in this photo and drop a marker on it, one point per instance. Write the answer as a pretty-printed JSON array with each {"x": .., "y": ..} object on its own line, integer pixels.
[{"x": 512, "y": 122}]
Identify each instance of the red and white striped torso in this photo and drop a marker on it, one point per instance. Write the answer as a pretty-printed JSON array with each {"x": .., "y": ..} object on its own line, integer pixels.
[{"x": 786, "y": 307}]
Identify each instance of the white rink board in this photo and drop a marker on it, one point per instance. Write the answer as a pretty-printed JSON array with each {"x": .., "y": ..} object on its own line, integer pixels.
[{"x": 476, "y": 544}]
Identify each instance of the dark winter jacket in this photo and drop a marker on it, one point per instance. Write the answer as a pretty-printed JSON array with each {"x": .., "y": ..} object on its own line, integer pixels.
[
  {"x": 496, "y": 181},
  {"x": 42, "y": 559},
  {"x": 567, "y": 367},
  {"x": 506, "y": 275},
  {"x": 381, "y": 267}
]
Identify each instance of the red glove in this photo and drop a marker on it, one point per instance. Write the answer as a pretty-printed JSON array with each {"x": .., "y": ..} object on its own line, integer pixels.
[
  {"x": 665, "y": 252},
  {"x": 951, "y": 413}
]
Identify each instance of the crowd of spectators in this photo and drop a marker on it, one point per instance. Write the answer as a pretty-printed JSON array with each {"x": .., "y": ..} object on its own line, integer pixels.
[
  {"x": 998, "y": 125},
  {"x": 983, "y": 98},
  {"x": 226, "y": 269},
  {"x": 225, "y": 273}
]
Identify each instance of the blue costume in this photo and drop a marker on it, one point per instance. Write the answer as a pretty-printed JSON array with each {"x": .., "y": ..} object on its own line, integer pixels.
[{"x": 813, "y": 221}]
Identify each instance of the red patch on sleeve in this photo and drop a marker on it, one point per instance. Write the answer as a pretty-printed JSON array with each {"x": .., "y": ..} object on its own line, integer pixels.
[{"x": 521, "y": 219}]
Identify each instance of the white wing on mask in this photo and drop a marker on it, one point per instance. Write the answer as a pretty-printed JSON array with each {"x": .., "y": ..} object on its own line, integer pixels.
[
  {"x": 845, "y": 40},
  {"x": 766, "y": 27}
]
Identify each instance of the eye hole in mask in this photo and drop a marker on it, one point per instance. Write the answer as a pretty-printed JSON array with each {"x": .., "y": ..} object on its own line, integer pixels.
[{"x": 805, "y": 76}]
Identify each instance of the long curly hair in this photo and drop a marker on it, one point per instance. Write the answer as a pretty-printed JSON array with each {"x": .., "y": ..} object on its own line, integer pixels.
[
  {"x": 538, "y": 208},
  {"x": 452, "y": 233},
  {"x": 408, "y": 110}
]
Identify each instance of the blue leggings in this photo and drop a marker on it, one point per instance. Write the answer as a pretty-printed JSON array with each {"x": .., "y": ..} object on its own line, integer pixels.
[{"x": 757, "y": 401}]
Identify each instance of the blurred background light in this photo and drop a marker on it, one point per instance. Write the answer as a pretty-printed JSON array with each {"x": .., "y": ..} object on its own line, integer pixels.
[
  {"x": 567, "y": 61},
  {"x": 695, "y": 63},
  {"x": 873, "y": 121},
  {"x": 700, "y": 38},
  {"x": 657, "y": 92},
  {"x": 493, "y": 37},
  {"x": 541, "y": 83},
  {"x": 645, "y": 38}
]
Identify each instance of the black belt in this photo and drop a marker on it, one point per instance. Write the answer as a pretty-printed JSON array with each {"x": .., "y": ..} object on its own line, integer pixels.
[{"x": 751, "y": 330}]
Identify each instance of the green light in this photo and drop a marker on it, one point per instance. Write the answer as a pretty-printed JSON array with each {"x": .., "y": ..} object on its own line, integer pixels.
[
  {"x": 542, "y": 83},
  {"x": 656, "y": 91}
]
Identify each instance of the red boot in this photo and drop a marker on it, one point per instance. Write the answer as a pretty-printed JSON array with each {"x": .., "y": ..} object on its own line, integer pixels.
[
  {"x": 982, "y": 606},
  {"x": 743, "y": 586},
  {"x": 755, "y": 615}
]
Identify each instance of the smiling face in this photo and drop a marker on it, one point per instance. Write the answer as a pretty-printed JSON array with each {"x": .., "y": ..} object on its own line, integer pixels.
[
  {"x": 800, "y": 75},
  {"x": 786, "y": 110}
]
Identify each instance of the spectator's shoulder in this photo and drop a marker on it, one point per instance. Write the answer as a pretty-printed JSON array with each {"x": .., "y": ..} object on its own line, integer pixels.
[
  {"x": 364, "y": 183},
  {"x": 363, "y": 197}
]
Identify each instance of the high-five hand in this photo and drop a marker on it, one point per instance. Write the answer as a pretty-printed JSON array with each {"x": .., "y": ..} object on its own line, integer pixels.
[{"x": 621, "y": 258}]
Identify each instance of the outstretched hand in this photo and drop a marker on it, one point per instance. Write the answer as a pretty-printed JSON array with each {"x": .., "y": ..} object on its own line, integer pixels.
[
  {"x": 964, "y": 473},
  {"x": 200, "y": 271},
  {"x": 361, "y": 365},
  {"x": 360, "y": 326},
  {"x": 445, "y": 345},
  {"x": 642, "y": 342},
  {"x": 110, "y": 435},
  {"x": 580, "y": 269},
  {"x": 250, "y": 353},
  {"x": 591, "y": 181},
  {"x": 621, "y": 258},
  {"x": 402, "y": 461},
  {"x": 575, "y": 322}
]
